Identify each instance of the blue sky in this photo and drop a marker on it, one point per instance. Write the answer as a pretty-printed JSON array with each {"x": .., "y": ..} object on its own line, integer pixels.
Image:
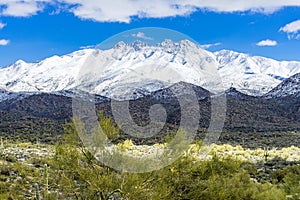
[{"x": 33, "y": 30}]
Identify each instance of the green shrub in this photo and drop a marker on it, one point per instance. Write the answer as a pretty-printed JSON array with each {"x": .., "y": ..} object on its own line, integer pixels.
[
  {"x": 126, "y": 145},
  {"x": 10, "y": 158}
]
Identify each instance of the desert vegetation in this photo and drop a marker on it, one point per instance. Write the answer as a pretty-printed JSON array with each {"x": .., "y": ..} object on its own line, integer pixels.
[{"x": 66, "y": 170}]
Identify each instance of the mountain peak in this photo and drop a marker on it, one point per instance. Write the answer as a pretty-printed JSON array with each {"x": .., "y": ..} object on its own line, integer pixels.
[
  {"x": 19, "y": 63},
  {"x": 230, "y": 53},
  {"x": 167, "y": 43},
  {"x": 188, "y": 43},
  {"x": 137, "y": 45},
  {"x": 18, "y": 66},
  {"x": 181, "y": 88},
  {"x": 119, "y": 45}
]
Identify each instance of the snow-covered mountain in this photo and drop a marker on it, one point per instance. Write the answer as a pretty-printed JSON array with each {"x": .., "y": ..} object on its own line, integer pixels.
[
  {"x": 253, "y": 75},
  {"x": 3, "y": 94},
  {"x": 128, "y": 71},
  {"x": 52, "y": 74},
  {"x": 288, "y": 88}
]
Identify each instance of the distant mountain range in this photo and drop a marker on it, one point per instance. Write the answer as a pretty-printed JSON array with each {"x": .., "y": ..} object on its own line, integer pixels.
[
  {"x": 251, "y": 75},
  {"x": 262, "y": 94},
  {"x": 248, "y": 118}
]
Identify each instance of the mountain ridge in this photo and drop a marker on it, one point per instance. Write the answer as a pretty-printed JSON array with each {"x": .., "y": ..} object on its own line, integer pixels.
[
  {"x": 288, "y": 88},
  {"x": 252, "y": 75}
]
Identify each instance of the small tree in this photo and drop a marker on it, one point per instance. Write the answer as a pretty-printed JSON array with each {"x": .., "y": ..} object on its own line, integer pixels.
[{"x": 111, "y": 131}]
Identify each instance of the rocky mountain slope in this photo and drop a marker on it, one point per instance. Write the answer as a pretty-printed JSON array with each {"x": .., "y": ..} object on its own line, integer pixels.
[{"x": 288, "y": 88}]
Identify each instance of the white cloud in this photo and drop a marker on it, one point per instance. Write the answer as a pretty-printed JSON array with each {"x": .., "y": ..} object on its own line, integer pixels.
[
  {"x": 125, "y": 10},
  {"x": 4, "y": 42},
  {"x": 207, "y": 46},
  {"x": 142, "y": 36},
  {"x": 22, "y": 8},
  {"x": 269, "y": 43},
  {"x": 88, "y": 47},
  {"x": 292, "y": 29},
  {"x": 2, "y": 25}
]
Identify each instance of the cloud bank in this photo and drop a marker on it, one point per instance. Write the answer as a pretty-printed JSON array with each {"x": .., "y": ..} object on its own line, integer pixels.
[{"x": 126, "y": 10}]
